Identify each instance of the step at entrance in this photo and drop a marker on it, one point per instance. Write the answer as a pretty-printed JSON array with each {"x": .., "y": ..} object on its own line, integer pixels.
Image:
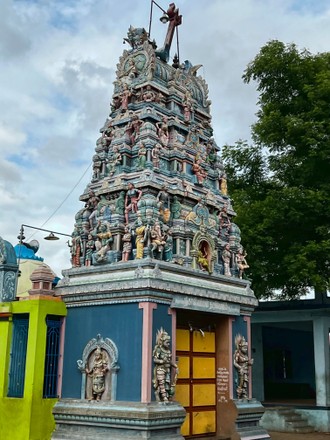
[{"x": 286, "y": 420}]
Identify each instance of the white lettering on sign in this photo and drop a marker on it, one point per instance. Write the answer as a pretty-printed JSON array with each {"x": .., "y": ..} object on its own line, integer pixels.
[{"x": 222, "y": 384}]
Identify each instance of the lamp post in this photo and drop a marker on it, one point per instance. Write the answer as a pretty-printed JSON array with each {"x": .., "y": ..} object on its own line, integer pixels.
[
  {"x": 174, "y": 19},
  {"x": 50, "y": 237},
  {"x": 164, "y": 18},
  {"x": 34, "y": 245}
]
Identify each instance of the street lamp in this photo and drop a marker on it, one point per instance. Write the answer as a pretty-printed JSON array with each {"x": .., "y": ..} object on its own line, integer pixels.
[
  {"x": 49, "y": 237},
  {"x": 174, "y": 19},
  {"x": 164, "y": 18},
  {"x": 33, "y": 245}
]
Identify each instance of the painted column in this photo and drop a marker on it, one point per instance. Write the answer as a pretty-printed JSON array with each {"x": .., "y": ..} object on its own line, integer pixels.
[
  {"x": 247, "y": 319},
  {"x": 172, "y": 312},
  {"x": 146, "y": 375},
  {"x": 226, "y": 411},
  {"x": 5, "y": 342},
  {"x": 321, "y": 326},
  {"x": 60, "y": 361},
  {"x": 36, "y": 348}
]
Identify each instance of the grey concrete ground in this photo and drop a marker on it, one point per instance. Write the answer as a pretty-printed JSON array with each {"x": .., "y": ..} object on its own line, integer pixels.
[{"x": 295, "y": 436}]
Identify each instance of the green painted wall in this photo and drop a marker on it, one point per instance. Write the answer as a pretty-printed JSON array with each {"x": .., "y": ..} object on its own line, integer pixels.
[{"x": 30, "y": 417}]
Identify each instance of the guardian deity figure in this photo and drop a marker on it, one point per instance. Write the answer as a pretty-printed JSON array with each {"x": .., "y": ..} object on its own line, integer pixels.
[
  {"x": 142, "y": 156},
  {"x": 90, "y": 246},
  {"x": 163, "y": 202},
  {"x": 125, "y": 98},
  {"x": 168, "y": 247},
  {"x": 133, "y": 195},
  {"x": 162, "y": 131},
  {"x": 226, "y": 258},
  {"x": 157, "y": 241},
  {"x": 75, "y": 248},
  {"x": 140, "y": 237},
  {"x": 127, "y": 244},
  {"x": 155, "y": 155},
  {"x": 224, "y": 222},
  {"x": 98, "y": 372},
  {"x": 241, "y": 261},
  {"x": 242, "y": 362},
  {"x": 114, "y": 161},
  {"x": 199, "y": 172},
  {"x": 165, "y": 371}
]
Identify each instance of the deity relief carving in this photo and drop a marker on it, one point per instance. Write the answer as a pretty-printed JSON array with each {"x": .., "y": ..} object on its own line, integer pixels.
[
  {"x": 203, "y": 251},
  {"x": 165, "y": 370},
  {"x": 241, "y": 262},
  {"x": 163, "y": 201},
  {"x": 133, "y": 195},
  {"x": 226, "y": 258},
  {"x": 99, "y": 370},
  {"x": 136, "y": 37},
  {"x": 242, "y": 362}
]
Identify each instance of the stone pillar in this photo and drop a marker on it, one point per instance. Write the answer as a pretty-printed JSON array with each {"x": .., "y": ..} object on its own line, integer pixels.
[
  {"x": 187, "y": 247},
  {"x": 117, "y": 242},
  {"x": 321, "y": 327},
  {"x": 177, "y": 240}
]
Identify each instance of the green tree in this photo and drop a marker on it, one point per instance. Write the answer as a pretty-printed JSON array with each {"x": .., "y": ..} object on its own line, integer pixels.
[{"x": 281, "y": 183}]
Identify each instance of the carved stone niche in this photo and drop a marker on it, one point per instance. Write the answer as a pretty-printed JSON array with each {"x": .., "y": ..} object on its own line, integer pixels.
[
  {"x": 106, "y": 376},
  {"x": 203, "y": 251}
]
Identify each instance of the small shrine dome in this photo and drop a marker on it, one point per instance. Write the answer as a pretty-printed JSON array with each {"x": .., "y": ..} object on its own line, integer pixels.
[{"x": 28, "y": 262}]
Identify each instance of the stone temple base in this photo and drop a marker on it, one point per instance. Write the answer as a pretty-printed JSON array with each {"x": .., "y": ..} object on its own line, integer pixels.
[
  {"x": 249, "y": 413},
  {"x": 83, "y": 420}
]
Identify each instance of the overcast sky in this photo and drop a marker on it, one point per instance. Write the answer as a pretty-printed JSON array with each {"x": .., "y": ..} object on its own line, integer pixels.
[{"x": 57, "y": 65}]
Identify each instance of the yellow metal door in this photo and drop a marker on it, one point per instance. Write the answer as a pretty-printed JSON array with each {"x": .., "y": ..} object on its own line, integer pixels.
[{"x": 196, "y": 385}]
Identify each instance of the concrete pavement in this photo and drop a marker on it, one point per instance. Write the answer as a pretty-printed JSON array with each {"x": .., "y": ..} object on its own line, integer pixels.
[{"x": 298, "y": 436}]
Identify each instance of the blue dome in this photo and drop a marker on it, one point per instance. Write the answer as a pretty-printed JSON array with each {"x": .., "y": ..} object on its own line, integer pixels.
[{"x": 23, "y": 251}]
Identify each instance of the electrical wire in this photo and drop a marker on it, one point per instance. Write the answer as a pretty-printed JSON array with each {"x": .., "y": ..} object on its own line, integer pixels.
[{"x": 64, "y": 200}]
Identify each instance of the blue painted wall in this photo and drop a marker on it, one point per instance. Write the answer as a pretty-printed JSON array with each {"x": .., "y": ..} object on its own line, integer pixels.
[
  {"x": 239, "y": 327},
  {"x": 122, "y": 323}
]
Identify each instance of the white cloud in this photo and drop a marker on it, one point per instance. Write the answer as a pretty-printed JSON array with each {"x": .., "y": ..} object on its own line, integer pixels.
[{"x": 57, "y": 63}]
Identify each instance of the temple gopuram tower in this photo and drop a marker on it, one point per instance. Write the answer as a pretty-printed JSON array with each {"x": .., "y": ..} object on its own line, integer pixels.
[{"x": 158, "y": 327}]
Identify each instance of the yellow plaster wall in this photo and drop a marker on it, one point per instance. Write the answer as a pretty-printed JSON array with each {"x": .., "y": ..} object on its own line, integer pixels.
[
  {"x": 26, "y": 267},
  {"x": 30, "y": 417}
]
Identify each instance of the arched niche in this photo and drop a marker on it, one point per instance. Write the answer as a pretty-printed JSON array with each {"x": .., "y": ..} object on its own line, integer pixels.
[
  {"x": 203, "y": 251},
  {"x": 109, "y": 354}
]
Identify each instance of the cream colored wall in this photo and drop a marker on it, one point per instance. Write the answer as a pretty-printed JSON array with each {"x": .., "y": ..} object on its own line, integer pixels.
[{"x": 26, "y": 268}]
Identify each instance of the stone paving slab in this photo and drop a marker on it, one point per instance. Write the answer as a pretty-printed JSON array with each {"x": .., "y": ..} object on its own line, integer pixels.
[{"x": 297, "y": 436}]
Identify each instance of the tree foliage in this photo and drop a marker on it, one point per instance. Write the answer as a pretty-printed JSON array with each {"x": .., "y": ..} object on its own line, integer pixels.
[{"x": 281, "y": 183}]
